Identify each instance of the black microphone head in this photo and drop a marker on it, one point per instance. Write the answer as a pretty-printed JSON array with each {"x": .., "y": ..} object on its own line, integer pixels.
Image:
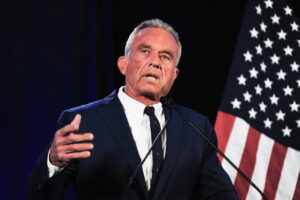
[{"x": 167, "y": 102}]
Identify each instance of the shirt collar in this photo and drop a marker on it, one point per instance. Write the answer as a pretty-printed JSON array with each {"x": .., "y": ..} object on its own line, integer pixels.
[{"x": 131, "y": 105}]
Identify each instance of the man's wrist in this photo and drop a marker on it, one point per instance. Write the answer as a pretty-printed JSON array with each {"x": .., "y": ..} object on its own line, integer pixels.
[{"x": 52, "y": 169}]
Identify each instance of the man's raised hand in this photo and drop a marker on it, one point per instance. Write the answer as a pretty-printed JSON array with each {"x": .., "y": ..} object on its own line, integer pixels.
[{"x": 65, "y": 144}]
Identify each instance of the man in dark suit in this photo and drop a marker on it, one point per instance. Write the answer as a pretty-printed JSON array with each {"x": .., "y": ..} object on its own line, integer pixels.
[{"x": 99, "y": 145}]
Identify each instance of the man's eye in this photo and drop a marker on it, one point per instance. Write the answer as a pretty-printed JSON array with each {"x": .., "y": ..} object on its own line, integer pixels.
[
  {"x": 164, "y": 57},
  {"x": 145, "y": 51}
]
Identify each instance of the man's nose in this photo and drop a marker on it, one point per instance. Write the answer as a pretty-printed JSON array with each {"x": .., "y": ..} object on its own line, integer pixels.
[{"x": 155, "y": 61}]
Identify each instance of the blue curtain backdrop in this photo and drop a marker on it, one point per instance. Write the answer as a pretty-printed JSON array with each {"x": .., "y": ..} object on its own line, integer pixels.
[{"x": 57, "y": 54}]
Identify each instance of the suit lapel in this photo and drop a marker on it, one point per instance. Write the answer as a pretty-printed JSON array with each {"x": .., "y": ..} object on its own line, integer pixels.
[
  {"x": 174, "y": 134},
  {"x": 121, "y": 133}
]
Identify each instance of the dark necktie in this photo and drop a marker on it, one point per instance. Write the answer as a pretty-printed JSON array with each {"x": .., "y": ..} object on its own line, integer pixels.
[{"x": 157, "y": 152}]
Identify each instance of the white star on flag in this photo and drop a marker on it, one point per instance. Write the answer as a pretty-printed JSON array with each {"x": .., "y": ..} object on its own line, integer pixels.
[
  {"x": 275, "y": 59},
  {"x": 254, "y": 33},
  {"x": 286, "y": 131},
  {"x": 236, "y": 103},
  {"x": 294, "y": 66},
  {"x": 294, "y": 26},
  {"x": 252, "y": 113},
  {"x": 294, "y": 106},
  {"x": 298, "y": 82},
  {"x": 262, "y": 107},
  {"x": 274, "y": 99},
  {"x": 247, "y": 96},
  {"x": 288, "y": 91},
  {"x": 298, "y": 123},
  {"x": 258, "y": 90},
  {"x": 268, "y": 123},
  {"x": 258, "y": 50},
  {"x": 258, "y": 10},
  {"x": 263, "y": 67},
  {"x": 281, "y": 35},
  {"x": 288, "y": 51},
  {"x": 248, "y": 56},
  {"x": 268, "y": 83},
  {"x": 288, "y": 11},
  {"x": 281, "y": 75},
  {"x": 280, "y": 115},
  {"x": 269, "y": 4},
  {"x": 268, "y": 43},
  {"x": 253, "y": 73},
  {"x": 263, "y": 27},
  {"x": 275, "y": 19},
  {"x": 242, "y": 80}
]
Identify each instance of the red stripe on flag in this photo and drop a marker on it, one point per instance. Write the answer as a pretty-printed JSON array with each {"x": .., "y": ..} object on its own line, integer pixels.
[
  {"x": 274, "y": 170},
  {"x": 297, "y": 189},
  {"x": 223, "y": 128},
  {"x": 247, "y": 163}
]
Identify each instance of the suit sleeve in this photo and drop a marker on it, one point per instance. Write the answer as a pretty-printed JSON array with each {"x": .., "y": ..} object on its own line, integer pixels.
[
  {"x": 213, "y": 183},
  {"x": 39, "y": 186}
]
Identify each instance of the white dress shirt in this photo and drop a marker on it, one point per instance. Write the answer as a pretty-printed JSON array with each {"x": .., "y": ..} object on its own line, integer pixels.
[{"x": 139, "y": 124}]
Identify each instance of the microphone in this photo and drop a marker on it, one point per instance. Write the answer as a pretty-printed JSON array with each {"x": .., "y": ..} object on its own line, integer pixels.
[
  {"x": 133, "y": 176},
  {"x": 171, "y": 105}
]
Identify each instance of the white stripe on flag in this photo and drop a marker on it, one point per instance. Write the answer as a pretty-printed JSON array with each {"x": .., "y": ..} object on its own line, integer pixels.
[
  {"x": 235, "y": 146},
  {"x": 289, "y": 175},
  {"x": 263, "y": 155}
]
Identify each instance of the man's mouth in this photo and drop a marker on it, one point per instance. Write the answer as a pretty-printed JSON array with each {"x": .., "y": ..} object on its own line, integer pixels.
[{"x": 151, "y": 76}]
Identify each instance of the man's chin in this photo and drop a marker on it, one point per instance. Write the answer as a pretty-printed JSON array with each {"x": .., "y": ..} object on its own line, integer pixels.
[{"x": 150, "y": 95}]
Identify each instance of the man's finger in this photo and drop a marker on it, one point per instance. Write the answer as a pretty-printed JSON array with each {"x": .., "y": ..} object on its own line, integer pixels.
[
  {"x": 77, "y": 147},
  {"x": 76, "y": 155},
  {"x": 72, "y": 127},
  {"x": 73, "y": 137},
  {"x": 76, "y": 121},
  {"x": 67, "y": 129}
]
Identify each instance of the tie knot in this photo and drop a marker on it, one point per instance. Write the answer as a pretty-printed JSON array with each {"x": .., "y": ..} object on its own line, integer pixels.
[{"x": 149, "y": 110}]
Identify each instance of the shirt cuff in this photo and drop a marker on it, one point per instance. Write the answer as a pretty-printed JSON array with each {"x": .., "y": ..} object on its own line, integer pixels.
[{"x": 52, "y": 169}]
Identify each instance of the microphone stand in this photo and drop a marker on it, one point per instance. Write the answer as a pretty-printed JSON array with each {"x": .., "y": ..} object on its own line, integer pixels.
[
  {"x": 131, "y": 179},
  {"x": 171, "y": 104}
]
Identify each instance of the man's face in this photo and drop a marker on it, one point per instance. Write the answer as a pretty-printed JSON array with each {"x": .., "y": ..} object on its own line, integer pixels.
[{"x": 150, "y": 69}]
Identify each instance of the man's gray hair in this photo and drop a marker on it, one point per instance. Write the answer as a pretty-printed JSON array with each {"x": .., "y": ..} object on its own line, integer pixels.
[{"x": 153, "y": 23}]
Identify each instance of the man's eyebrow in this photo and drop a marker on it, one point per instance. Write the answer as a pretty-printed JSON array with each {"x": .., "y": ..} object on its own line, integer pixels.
[{"x": 143, "y": 45}]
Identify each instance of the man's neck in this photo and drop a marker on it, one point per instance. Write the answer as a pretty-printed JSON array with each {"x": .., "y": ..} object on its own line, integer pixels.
[{"x": 144, "y": 99}]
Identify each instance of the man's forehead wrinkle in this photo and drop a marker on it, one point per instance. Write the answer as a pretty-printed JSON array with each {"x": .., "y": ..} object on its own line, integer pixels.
[{"x": 144, "y": 45}]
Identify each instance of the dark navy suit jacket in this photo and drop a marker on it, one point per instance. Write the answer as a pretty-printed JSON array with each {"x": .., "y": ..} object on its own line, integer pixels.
[{"x": 190, "y": 170}]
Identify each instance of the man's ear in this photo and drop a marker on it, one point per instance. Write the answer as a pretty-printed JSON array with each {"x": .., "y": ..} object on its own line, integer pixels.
[
  {"x": 176, "y": 72},
  {"x": 122, "y": 64}
]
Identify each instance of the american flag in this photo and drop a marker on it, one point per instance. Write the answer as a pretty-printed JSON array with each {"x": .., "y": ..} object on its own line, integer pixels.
[{"x": 258, "y": 123}]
